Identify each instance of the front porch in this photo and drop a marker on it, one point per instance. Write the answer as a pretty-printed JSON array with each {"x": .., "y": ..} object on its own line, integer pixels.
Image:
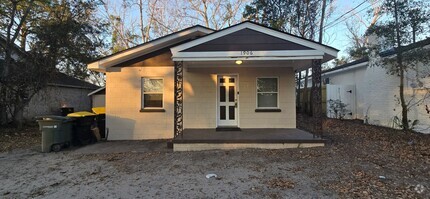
[{"x": 210, "y": 139}]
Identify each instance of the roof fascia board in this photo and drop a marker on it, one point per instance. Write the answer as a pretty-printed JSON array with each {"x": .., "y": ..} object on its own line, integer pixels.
[
  {"x": 69, "y": 86},
  {"x": 347, "y": 68},
  {"x": 99, "y": 89}
]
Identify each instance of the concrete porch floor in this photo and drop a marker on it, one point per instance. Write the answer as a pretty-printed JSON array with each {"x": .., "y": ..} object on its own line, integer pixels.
[{"x": 207, "y": 139}]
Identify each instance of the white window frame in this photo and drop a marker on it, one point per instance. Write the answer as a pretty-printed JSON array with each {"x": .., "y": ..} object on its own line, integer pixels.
[
  {"x": 142, "y": 92},
  {"x": 256, "y": 93}
]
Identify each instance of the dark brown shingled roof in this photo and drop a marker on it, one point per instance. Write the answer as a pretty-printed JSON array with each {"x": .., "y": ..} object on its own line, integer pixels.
[{"x": 61, "y": 79}]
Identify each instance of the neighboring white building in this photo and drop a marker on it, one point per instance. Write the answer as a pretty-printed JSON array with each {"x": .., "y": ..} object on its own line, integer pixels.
[
  {"x": 98, "y": 97},
  {"x": 371, "y": 93}
]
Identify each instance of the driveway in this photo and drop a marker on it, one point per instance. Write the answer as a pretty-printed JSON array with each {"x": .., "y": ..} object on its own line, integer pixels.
[
  {"x": 360, "y": 161},
  {"x": 133, "y": 169}
]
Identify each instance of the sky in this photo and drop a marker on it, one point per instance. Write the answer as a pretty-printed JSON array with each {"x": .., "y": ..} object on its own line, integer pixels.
[{"x": 336, "y": 34}]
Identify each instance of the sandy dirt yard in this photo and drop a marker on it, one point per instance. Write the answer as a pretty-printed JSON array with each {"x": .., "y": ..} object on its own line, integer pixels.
[{"x": 360, "y": 161}]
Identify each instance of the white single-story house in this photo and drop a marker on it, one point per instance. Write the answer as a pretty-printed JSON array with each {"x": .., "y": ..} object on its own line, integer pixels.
[
  {"x": 371, "y": 93},
  {"x": 207, "y": 89}
]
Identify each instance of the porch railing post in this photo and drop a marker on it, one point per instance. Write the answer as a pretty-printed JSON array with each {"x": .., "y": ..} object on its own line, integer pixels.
[{"x": 179, "y": 99}]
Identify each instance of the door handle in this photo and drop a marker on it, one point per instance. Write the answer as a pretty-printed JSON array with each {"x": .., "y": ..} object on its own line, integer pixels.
[{"x": 235, "y": 104}]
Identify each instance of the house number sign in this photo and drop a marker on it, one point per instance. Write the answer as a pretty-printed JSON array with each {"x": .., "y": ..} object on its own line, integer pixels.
[{"x": 246, "y": 53}]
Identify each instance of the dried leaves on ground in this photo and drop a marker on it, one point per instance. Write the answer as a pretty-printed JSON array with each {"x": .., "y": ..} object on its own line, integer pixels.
[
  {"x": 12, "y": 138},
  {"x": 359, "y": 161},
  {"x": 371, "y": 161}
]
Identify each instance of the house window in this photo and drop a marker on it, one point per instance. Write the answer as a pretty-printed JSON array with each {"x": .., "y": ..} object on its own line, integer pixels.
[
  {"x": 152, "y": 93},
  {"x": 267, "y": 92}
]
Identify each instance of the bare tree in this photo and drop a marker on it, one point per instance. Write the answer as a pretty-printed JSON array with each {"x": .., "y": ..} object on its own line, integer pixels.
[
  {"x": 358, "y": 38},
  {"x": 215, "y": 14}
]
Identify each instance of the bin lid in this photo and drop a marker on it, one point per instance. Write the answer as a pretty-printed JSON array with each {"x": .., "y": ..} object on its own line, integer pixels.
[
  {"x": 52, "y": 117},
  {"x": 99, "y": 110},
  {"x": 81, "y": 114}
]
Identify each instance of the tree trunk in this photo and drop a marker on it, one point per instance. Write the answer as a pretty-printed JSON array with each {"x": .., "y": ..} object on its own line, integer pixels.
[
  {"x": 405, "y": 121},
  {"x": 322, "y": 21},
  {"x": 317, "y": 97},
  {"x": 3, "y": 109},
  {"x": 18, "y": 116}
]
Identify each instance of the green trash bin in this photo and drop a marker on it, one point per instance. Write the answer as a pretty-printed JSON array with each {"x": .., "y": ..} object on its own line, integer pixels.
[{"x": 56, "y": 132}]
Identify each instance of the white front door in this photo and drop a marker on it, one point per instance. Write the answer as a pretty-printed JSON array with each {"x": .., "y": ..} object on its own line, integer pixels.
[{"x": 227, "y": 101}]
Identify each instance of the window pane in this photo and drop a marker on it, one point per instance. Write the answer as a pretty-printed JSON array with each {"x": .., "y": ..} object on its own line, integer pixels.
[
  {"x": 221, "y": 80},
  {"x": 231, "y": 80},
  {"x": 269, "y": 100},
  {"x": 267, "y": 85},
  {"x": 153, "y": 100},
  {"x": 152, "y": 85}
]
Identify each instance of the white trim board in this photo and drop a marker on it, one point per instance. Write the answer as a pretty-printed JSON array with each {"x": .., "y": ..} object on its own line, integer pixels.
[
  {"x": 274, "y": 53},
  {"x": 97, "y": 90},
  {"x": 247, "y": 58}
]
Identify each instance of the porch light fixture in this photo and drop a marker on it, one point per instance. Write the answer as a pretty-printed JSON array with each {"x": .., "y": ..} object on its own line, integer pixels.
[{"x": 238, "y": 62}]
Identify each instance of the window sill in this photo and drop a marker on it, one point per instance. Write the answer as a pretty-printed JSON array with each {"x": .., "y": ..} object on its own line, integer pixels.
[
  {"x": 268, "y": 110},
  {"x": 152, "y": 110}
]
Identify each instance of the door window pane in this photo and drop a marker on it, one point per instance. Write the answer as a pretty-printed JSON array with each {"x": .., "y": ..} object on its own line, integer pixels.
[
  {"x": 222, "y": 93},
  {"x": 231, "y": 112},
  {"x": 222, "y": 113},
  {"x": 231, "y": 93}
]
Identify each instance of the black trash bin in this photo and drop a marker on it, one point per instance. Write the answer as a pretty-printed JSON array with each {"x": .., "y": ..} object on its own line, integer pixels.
[
  {"x": 83, "y": 123},
  {"x": 66, "y": 110},
  {"x": 101, "y": 121}
]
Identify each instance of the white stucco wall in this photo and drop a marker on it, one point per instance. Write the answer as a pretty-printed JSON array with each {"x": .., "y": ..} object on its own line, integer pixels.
[
  {"x": 124, "y": 120},
  {"x": 200, "y": 97},
  {"x": 98, "y": 100}
]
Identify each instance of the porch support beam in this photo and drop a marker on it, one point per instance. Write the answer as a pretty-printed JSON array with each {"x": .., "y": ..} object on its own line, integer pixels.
[
  {"x": 179, "y": 99},
  {"x": 247, "y": 58},
  {"x": 316, "y": 101}
]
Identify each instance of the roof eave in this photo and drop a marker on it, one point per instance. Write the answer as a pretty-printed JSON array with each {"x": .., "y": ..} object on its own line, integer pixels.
[{"x": 102, "y": 64}]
